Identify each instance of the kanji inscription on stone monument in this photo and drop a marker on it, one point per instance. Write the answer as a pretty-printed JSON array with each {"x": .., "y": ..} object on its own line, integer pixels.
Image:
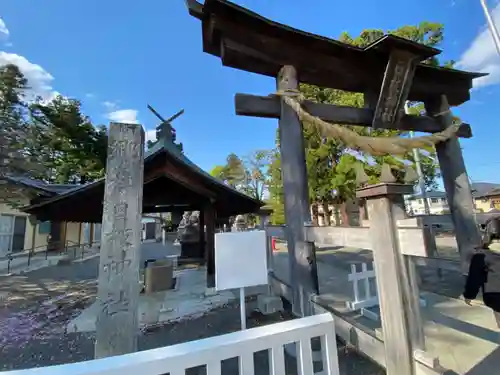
[{"x": 118, "y": 290}]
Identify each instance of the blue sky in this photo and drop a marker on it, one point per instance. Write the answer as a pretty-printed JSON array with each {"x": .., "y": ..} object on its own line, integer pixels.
[{"x": 118, "y": 56}]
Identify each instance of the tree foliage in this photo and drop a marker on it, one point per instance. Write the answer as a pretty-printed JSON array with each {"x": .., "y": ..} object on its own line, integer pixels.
[
  {"x": 74, "y": 150},
  {"x": 330, "y": 164},
  {"x": 53, "y": 141},
  {"x": 248, "y": 174},
  {"x": 13, "y": 125}
]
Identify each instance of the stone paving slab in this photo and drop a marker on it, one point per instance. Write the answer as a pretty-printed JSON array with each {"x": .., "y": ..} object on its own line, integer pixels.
[
  {"x": 187, "y": 301},
  {"x": 466, "y": 339}
]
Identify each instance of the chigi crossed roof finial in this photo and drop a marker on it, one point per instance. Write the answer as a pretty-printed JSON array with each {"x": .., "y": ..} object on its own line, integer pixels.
[{"x": 165, "y": 134}]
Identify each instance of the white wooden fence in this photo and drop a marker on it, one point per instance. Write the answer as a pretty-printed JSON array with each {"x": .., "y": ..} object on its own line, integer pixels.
[
  {"x": 364, "y": 295},
  {"x": 368, "y": 299},
  {"x": 211, "y": 351}
]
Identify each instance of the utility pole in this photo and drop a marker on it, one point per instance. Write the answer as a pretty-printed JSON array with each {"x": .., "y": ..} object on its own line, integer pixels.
[
  {"x": 491, "y": 25},
  {"x": 421, "y": 180}
]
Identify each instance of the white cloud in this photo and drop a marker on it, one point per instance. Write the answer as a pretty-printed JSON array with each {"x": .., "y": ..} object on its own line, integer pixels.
[
  {"x": 128, "y": 116},
  {"x": 150, "y": 135},
  {"x": 482, "y": 56},
  {"x": 110, "y": 106},
  {"x": 4, "y": 31},
  {"x": 39, "y": 80}
]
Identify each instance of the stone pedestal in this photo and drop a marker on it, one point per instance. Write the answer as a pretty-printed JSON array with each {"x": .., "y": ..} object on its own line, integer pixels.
[
  {"x": 192, "y": 250},
  {"x": 159, "y": 276},
  {"x": 189, "y": 237},
  {"x": 269, "y": 304}
]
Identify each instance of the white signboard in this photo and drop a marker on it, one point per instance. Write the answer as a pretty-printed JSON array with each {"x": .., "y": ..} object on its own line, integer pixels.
[{"x": 240, "y": 259}]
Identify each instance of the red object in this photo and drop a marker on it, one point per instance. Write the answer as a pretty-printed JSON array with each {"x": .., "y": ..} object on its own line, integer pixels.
[{"x": 273, "y": 244}]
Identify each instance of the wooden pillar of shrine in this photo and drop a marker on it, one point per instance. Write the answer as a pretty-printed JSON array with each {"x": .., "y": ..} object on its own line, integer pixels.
[
  {"x": 296, "y": 193},
  {"x": 201, "y": 231},
  {"x": 209, "y": 220},
  {"x": 456, "y": 182}
]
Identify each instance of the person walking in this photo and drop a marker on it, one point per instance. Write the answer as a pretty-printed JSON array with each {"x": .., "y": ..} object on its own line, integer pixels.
[{"x": 484, "y": 275}]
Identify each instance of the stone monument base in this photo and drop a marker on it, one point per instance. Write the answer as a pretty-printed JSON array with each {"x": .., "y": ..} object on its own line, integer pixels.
[
  {"x": 192, "y": 250},
  {"x": 159, "y": 276}
]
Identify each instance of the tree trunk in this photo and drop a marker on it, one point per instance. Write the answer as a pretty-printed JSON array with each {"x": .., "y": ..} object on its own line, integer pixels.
[
  {"x": 337, "y": 215},
  {"x": 344, "y": 215},
  {"x": 326, "y": 214},
  {"x": 315, "y": 214}
]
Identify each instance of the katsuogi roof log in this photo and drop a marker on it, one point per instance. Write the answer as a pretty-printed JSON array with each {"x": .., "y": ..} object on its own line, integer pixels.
[{"x": 245, "y": 40}]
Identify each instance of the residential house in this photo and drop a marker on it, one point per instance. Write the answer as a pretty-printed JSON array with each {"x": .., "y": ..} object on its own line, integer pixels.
[
  {"x": 486, "y": 196},
  {"x": 415, "y": 204},
  {"x": 22, "y": 232},
  {"x": 436, "y": 200}
]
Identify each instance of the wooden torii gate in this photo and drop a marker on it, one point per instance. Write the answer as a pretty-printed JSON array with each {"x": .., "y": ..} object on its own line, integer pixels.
[{"x": 388, "y": 72}]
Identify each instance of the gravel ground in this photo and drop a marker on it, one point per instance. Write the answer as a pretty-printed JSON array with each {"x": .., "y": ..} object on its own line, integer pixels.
[
  {"x": 35, "y": 307},
  {"x": 65, "y": 348}
]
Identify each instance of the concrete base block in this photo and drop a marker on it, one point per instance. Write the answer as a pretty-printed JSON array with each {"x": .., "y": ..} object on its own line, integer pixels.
[
  {"x": 268, "y": 304},
  {"x": 64, "y": 261},
  {"x": 159, "y": 276},
  {"x": 4, "y": 296},
  {"x": 210, "y": 292}
]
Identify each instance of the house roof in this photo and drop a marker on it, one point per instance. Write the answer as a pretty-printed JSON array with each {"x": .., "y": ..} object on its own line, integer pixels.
[
  {"x": 484, "y": 189},
  {"x": 479, "y": 190},
  {"x": 41, "y": 186}
]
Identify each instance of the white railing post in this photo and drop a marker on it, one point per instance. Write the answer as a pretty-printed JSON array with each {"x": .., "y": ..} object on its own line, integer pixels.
[
  {"x": 368, "y": 299},
  {"x": 371, "y": 299}
]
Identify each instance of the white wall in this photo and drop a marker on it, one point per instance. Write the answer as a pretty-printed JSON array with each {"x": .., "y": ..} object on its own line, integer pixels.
[
  {"x": 33, "y": 239},
  {"x": 436, "y": 205},
  {"x": 30, "y": 239}
]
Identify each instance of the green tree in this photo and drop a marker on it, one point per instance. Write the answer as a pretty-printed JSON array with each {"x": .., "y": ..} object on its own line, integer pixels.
[
  {"x": 275, "y": 187},
  {"x": 232, "y": 172},
  {"x": 256, "y": 177},
  {"x": 75, "y": 150},
  {"x": 331, "y": 165},
  {"x": 248, "y": 174},
  {"x": 218, "y": 172},
  {"x": 14, "y": 129}
]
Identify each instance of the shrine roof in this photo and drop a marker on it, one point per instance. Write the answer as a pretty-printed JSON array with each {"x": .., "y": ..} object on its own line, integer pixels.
[
  {"x": 247, "y": 41},
  {"x": 171, "y": 182},
  {"x": 170, "y": 149}
]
